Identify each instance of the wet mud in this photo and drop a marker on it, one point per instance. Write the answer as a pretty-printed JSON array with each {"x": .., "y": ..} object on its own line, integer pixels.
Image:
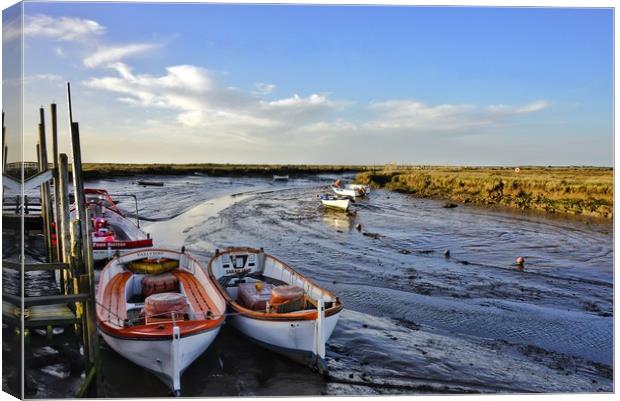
[{"x": 417, "y": 319}]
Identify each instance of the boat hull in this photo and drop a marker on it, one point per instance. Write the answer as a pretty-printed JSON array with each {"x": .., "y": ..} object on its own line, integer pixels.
[
  {"x": 336, "y": 203},
  {"x": 293, "y": 339},
  {"x": 107, "y": 250},
  {"x": 156, "y": 356}
]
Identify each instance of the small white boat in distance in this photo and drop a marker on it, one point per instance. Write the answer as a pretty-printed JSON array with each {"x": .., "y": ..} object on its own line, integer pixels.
[
  {"x": 352, "y": 190},
  {"x": 336, "y": 202},
  {"x": 280, "y": 177},
  {"x": 274, "y": 305},
  {"x": 159, "y": 309},
  {"x": 364, "y": 188}
]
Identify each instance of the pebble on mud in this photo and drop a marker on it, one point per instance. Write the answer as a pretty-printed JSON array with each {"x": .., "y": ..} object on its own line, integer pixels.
[
  {"x": 405, "y": 251},
  {"x": 450, "y": 205},
  {"x": 520, "y": 262},
  {"x": 446, "y": 253},
  {"x": 358, "y": 227}
]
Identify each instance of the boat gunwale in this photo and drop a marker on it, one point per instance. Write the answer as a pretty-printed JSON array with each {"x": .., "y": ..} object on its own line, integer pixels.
[{"x": 257, "y": 315}]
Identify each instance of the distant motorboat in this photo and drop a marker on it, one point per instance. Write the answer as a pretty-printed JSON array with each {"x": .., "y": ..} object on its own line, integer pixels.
[
  {"x": 280, "y": 177},
  {"x": 365, "y": 188},
  {"x": 352, "y": 190},
  {"x": 335, "y": 201}
]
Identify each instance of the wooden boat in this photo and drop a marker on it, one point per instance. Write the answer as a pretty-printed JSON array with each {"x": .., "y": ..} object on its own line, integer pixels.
[
  {"x": 162, "y": 320},
  {"x": 280, "y": 177},
  {"x": 335, "y": 201},
  {"x": 274, "y": 305},
  {"x": 112, "y": 231}
]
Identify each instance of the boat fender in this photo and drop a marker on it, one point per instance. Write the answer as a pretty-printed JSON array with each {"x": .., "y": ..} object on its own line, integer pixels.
[{"x": 153, "y": 266}]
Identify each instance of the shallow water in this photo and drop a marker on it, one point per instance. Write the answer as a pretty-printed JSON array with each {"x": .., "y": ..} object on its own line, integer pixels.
[{"x": 415, "y": 321}]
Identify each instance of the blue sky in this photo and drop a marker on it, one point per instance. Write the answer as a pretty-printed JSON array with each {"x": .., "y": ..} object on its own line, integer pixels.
[{"x": 326, "y": 84}]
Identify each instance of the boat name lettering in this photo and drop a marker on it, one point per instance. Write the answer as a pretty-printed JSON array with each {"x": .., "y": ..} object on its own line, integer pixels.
[{"x": 237, "y": 271}]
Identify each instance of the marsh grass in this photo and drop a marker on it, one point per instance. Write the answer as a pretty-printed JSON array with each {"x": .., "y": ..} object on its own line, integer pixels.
[
  {"x": 100, "y": 170},
  {"x": 572, "y": 190}
]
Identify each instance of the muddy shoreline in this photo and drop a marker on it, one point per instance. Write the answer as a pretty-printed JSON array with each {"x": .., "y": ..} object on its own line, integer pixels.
[{"x": 415, "y": 321}]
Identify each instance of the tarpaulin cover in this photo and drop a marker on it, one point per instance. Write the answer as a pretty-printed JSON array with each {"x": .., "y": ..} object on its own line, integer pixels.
[
  {"x": 159, "y": 283},
  {"x": 285, "y": 293},
  {"x": 162, "y": 305},
  {"x": 254, "y": 298}
]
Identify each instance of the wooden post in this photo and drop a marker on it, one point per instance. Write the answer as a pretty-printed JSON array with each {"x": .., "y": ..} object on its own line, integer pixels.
[
  {"x": 56, "y": 161},
  {"x": 77, "y": 264},
  {"x": 86, "y": 241},
  {"x": 4, "y": 147},
  {"x": 62, "y": 224},
  {"x": 87, "y": 247},
  {"x": 45, "y": 188}
]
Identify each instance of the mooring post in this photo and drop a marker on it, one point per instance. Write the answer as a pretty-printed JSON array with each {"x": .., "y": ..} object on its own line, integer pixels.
[
  {"x": 56, "y": 161},
  {"x": 87, "y": 247},
  {"x": 45, "y": 188},
  {"x": 46, "y": 233},
  {"x": 4, "y": 147},
  {"x": 62, "y": 225},
  {"x": 77, "y": 264}
]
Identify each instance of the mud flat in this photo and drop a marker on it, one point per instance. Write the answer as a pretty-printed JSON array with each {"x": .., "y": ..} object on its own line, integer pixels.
[{"x": 415, "y": 321}]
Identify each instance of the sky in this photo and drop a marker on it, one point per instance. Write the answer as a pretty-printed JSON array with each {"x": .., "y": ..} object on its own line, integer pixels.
[{"x": 179, "y": 83}]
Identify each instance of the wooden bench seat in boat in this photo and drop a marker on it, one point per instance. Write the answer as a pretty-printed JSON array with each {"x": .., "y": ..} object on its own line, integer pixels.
[
  {"x": 114, "y": 308},
  {"x": 196, "y": 294}
]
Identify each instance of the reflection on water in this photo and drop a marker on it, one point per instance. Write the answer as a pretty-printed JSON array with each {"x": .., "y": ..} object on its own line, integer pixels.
[{"x": 338, "y": 220}]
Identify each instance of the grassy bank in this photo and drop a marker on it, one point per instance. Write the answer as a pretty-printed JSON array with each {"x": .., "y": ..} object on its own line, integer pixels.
[
  {"x": 101, "y": 170},
  {"x": 570, "y": 190}
]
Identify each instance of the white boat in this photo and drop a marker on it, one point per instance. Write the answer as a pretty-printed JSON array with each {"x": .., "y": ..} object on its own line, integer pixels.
[
  {"x": 336, "y": 202},
  {"x": 274, "y": 305},
  {"x": 163, "y": 332},
  {"x": 112, "y": 231},
  {"x": 361, "y": 187},
  {"x": 352, "y": 190},
  {"x": 280, "y": 177}
]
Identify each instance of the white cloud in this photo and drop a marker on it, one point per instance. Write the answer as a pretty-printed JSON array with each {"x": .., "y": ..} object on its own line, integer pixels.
[
  {"x": 106, "y": 55},
  {"x": 193, "y": 94},
  {"x": 42, "y": 77},
  {"x": 264, "y": 88},
  {"x": 413, "y": 115},
  {"x": 511, "y": 110},
  {"x": 57, "y": 28}
]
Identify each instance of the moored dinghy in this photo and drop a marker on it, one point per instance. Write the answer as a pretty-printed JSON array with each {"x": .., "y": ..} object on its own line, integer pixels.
[
  {"x": 274, "y": 305},
  {"x": 361, "y": 187},
  {"x": 352, "y": 190},
  {"x": 159, "y": 309},
  {"x": 112, "y": 231},
  {"x": 336, "y": 202}
]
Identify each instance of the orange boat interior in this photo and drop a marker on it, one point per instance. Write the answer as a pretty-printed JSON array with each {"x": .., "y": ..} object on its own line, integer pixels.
[{"x": 123, "y": 302}]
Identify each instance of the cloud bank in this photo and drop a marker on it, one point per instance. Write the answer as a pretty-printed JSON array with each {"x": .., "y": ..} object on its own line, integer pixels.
[{"x": 57, "y": 28}]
